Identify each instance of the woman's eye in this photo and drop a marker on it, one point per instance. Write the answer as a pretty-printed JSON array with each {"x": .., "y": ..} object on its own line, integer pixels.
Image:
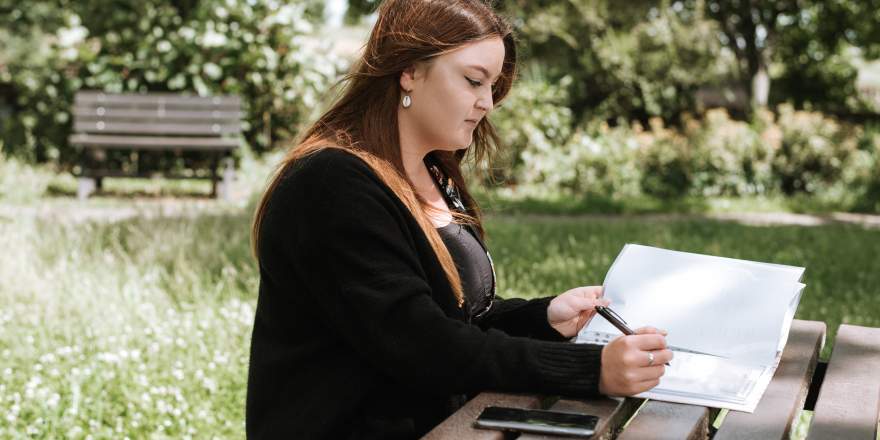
[{"x": 473, "y": 82}]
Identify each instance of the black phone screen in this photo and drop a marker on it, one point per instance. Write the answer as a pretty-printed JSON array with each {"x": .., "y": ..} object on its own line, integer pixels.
[{"x": 537, "y": 417}]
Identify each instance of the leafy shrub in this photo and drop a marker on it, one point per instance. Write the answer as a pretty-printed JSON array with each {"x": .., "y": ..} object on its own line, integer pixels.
[
  {"x": 869, "y": 177},
  {"x": 794, "y": 152},
  {"x": 532, "y": 123},
  {"x": 665, "y": 161},
  {"x": 730, "y": 157},
  {"x": 813, "y": 152},
  {"x": 609, "y": 164}
]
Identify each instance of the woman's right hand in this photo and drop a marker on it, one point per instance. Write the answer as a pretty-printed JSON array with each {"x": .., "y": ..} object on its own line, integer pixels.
[{"x": 625, "y": 363}]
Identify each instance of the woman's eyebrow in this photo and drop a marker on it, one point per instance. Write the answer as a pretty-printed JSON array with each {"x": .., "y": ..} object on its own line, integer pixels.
[{"x": 482, "y": 69}]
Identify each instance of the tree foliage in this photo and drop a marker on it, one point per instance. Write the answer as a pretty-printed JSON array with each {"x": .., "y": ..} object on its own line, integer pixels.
[
  {"x": 632, "y": 59},
  {"x": 807, "y": 46}
]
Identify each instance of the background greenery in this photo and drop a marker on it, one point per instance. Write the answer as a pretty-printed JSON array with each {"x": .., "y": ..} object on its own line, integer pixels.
[{"x": 618, "y": 100}]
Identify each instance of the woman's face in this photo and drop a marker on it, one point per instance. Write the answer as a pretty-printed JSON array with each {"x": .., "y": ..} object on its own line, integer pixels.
[{"x": 449, "y": 98}]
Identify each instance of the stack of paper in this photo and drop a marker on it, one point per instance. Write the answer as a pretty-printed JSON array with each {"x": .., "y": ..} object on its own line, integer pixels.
[{"x": 739, "y": 310}]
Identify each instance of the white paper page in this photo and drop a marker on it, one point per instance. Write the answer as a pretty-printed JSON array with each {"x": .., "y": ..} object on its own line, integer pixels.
[
  {"x": 733, "y": 308},
  {"x": 789, "y": 314},
  {"x": 710, "y": 376},
  {"x": 749, "y": 405}
]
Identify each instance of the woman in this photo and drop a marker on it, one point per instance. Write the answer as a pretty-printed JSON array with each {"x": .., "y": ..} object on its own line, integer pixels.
[{"x": 377, "y": 312}]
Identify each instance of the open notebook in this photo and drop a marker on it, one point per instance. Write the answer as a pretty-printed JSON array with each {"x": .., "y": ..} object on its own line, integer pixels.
[{"x": 736, "y": 309}]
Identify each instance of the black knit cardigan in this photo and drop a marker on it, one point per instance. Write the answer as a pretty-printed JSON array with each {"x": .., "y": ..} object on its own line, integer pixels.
[{"x": 357, "y": 331}]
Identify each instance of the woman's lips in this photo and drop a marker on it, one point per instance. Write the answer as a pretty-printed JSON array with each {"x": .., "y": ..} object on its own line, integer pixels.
[{"x": 471, "y": 122}]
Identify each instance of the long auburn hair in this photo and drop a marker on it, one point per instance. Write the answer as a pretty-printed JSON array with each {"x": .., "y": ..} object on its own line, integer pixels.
[{"x": 363, "y": 121}]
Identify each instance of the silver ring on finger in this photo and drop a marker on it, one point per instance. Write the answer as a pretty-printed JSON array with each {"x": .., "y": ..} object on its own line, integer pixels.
[{"x": 650, "y": 359}]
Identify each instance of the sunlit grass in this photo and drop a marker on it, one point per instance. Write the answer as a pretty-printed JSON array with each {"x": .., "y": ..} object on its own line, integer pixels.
[
  {"x": 141, "y": 328},
  {"x": 135, "y": 329}
]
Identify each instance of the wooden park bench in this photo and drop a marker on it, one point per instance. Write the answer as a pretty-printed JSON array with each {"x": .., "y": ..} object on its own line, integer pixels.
[
  {"x": 843, "y": 392},
  {"x": 154, "y": 121}
]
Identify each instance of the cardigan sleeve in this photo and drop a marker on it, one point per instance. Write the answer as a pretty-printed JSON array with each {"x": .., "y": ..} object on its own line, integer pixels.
[
  {"x": 341, "y": 232},
  {"x": 520, "y": 317}
]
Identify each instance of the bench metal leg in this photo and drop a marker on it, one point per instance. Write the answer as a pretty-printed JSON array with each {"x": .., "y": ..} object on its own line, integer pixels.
[
  {"x": 228, "y": 177},
  {"x": 215, "y": 160},
  {"x": 86, "y": 186}
]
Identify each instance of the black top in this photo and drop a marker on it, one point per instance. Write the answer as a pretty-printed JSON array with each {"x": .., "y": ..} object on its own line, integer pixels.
[
  {"x": 357, "y": 331},
  {"x": 473, "y": 267},
  {"x": 464, "y": 244}
]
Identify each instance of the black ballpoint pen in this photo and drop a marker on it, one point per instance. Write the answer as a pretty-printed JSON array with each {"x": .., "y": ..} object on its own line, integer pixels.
[{"x": 617, "y": 321}]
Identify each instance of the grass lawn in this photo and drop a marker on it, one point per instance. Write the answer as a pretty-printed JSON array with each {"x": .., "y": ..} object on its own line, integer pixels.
[{"x": 141, "y": 328}]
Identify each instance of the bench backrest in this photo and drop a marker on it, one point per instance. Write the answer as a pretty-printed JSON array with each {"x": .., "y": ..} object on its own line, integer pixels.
[{"x": 156, "y": 114}]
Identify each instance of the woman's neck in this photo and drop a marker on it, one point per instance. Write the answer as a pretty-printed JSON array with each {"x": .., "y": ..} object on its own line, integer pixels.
[{"x": 425, "y": 184}]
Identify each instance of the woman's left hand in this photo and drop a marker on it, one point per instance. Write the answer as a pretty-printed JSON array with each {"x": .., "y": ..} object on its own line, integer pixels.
[{"x": 569, "y": 312}]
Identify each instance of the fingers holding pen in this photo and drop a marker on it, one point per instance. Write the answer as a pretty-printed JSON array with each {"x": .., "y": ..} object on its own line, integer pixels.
[{"x": 633, "y": 364}]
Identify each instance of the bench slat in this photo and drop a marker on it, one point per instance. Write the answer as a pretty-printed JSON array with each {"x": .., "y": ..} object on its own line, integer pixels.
[
  {"x": 154, "y": 143},
  {"x": 116, "y": 106},
  {"x": 613, "y": 412},
  {"x": 779, "y": 410},
  {"x": 146, "y": 174},
  {"x": 88, "y": 114},
  {"x": 148, "y": 128},
  {"x": 460, "y": 424},
  {"x": 849, "y": 403},
  {"x": 156, "y": 98},
  {"x": 664, "y": 420}
]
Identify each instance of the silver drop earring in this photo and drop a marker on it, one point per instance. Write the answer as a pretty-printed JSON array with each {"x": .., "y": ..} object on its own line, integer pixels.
[{"x": 406, "y": 100}]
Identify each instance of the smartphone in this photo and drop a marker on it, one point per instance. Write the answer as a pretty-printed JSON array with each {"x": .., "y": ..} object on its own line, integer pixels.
[{"x": 537, "y": 421}]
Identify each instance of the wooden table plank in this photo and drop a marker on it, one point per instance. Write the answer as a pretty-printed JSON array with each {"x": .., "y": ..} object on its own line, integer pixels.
[
  {"x": 613, "y": 412},
  {"x": 665, "y": 420},
  {"x": 460, "y": 424},
  {"x": 779, "y": 410},
  {"x": 849, "y": 400}
]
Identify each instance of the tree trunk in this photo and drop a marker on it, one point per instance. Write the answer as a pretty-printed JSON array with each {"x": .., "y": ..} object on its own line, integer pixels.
[{"x": 760, "y": 87}]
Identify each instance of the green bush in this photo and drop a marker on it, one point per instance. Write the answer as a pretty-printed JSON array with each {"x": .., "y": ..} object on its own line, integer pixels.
[
  {"x": 257, "y": 49},
  {"x": 813, "y": 151},
  {"x": 729, "y": 157},
  {"x": 796, "y": 152}
]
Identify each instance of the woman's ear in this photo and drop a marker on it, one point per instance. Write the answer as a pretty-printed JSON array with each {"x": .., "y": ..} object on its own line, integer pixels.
[{"x": 408, "y": 78}]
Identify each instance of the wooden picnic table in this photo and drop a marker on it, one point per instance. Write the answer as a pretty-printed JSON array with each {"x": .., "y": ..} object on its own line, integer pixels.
[{"x": 843, "y": 392}]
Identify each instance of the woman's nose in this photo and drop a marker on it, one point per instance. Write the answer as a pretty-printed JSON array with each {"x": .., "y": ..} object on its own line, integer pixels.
[{"x": 485, "y": 103}]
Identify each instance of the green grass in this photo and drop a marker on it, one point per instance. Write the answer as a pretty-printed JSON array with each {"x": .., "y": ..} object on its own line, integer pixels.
[{"x": 141, "y": 328}]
